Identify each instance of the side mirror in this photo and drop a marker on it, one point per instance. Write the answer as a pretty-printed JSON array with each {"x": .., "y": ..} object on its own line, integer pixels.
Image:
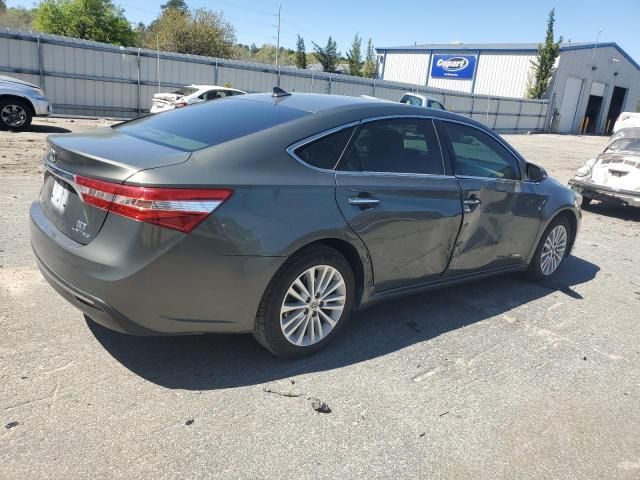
[{"x": 535, "y": 173}]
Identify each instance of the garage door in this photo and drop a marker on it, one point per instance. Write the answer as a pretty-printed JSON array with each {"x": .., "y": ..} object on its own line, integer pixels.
[{"x": 569, "y": 104}]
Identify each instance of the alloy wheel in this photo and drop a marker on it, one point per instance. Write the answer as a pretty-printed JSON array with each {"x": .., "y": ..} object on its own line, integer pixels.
[
  {"x": 13, "y": 115},
  {"x": 313, "y": 305},
  {"x": 553, "y": 250}
]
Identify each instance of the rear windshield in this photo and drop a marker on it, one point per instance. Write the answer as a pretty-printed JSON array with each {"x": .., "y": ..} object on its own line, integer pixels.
[
  {"x": 184, "y": 91},
  {"x": 207, "y": 124}
]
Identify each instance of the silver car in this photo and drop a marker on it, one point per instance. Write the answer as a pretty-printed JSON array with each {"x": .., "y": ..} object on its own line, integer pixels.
[{"x": 20, "y": 101}]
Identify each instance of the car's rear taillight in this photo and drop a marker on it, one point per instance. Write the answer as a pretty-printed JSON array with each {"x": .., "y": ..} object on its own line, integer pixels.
[
  {"x": 180, "y": 103},
  {"x": 177, "y": 208}
]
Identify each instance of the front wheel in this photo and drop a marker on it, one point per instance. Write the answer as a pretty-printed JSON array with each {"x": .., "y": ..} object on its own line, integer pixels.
[
  {"x": 306, "y": 303},
  {"x": 551, "y": 250},
  {"x": 15, "y": 114}
]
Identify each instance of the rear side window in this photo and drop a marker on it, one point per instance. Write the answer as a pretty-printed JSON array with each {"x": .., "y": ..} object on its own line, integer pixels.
[
  {"x": 479, "y": 155},
  {"x": 325, "y": 152},
  {"x": 208, "y": 123},
  {"x": 395, "y": 146}
]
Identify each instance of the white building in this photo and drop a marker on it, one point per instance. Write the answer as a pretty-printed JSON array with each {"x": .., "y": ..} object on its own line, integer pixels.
[{"x": 591, "y": 85}]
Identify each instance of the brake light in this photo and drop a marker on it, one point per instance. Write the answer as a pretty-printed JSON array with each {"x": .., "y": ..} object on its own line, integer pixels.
[
  {"x": 176, "y": 208},
  {"x": 180, "y": 104}
]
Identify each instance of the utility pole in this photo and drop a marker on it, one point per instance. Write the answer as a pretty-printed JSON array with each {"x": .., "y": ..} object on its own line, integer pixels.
[
  {"x": 278, "y": 37},
  {"x": 158, "y": 62}
]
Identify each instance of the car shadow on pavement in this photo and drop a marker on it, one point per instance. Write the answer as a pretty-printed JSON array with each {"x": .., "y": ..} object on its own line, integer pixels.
[
  {"x": 615, "y": 211},
  {"x": 46, "y": 129},
  {"x": 207, "y": 362}
]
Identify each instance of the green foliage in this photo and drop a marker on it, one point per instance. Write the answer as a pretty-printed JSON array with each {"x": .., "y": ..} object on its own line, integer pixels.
[
  {"x": 265, "y": 54},
  {"x": 354, "y": 57},
  {"x": 198, "y": 32},
  {"x": 327, "y": 56},
  {"x": 180, "y": 5},
  {"x": 544, "y": 63},
  {"x": 98, "y": 20},
  {"x": 369, "y": 68},
  {"x": 3, "y": 6},
  {"x": 18, "y": 17},
  {"x": 301, "y": 54}
]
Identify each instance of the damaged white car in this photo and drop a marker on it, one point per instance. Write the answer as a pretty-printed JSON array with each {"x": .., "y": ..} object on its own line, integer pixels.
[
  {"x": 190, "y": 94},
  {"x": 614, "y": 175}
]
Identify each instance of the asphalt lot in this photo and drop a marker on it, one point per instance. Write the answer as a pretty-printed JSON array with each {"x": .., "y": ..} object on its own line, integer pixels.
[{"x": 501, "y": 378}]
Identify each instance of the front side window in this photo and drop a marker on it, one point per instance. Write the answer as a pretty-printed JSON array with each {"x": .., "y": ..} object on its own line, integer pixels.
[
  {"x": 436, "y": 105},
  {"x": 395, "y": 146},
  {"x": 479, "y": 155},
  {"x": 325, "y": 152}
]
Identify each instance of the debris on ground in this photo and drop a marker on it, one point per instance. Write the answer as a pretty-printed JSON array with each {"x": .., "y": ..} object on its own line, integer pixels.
[
  {"x": 189, "y": 422},
  {"x": 282, "y": 394},
  {"x": 10, "y": 425},
  {"x": 320, "y": 406}
]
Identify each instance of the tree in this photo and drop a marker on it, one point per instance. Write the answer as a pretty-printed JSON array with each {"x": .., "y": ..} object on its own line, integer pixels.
[
  {"x": 301, "y": 54},
  {"x": 16, "y": 17},
  {"x": 354, "y": 57},
  {"x": 327, "y": 56},
  {"x": 369, "y": 68},
  {"x": 197, "y": 32},
  {"x": 180, "y": 5},
  {"x": 3, "y": 6},
  {"x": 98, "y": 20},
  {"x": 544, "y": 63}
]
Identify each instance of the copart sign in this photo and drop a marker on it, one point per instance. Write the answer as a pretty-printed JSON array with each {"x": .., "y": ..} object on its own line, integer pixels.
[{"x": 453, "y": 66}]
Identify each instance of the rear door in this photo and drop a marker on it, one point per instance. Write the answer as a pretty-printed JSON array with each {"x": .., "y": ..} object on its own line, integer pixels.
[
  {"x": 501, "y": 211},
  {"x": 394, "y": 191}
]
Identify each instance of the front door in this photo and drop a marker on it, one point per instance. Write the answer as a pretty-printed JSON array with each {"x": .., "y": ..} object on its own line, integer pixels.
[
  {"x": 393, "y": 191},
  {"x": 501, "y": 211}
]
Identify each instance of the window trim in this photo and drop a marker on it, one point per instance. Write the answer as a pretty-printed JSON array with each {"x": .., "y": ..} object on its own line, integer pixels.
[
  {"x": 447, "y": 159},
  {"x": 305, "y": 141},
  {"x": 521, "y": 164}
]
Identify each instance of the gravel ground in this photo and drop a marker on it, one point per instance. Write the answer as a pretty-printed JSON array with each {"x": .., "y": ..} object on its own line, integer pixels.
[{"x": 496, "y": 379}]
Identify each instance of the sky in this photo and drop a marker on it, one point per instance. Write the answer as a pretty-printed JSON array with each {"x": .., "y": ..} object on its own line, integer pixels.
[{"x": 406, "y": 22}]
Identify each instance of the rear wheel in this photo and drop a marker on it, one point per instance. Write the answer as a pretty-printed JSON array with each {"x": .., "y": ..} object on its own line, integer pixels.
[
  {"x": 15, "y": 114},
  {"x": 551, "y": 250},
  {"x": 306, "y": 303}
]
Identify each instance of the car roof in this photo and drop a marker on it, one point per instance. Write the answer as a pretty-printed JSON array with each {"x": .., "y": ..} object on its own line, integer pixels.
[
  {"x": 362, "y": 107},
  {"x": 213, "y": 87}
]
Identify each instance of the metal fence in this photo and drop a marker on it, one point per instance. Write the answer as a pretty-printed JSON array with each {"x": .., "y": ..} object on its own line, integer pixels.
[{"x": 89, "y": 78}]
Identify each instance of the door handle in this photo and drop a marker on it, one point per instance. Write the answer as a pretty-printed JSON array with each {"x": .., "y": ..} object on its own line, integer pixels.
[
  {"x": 470, "y": 203},
  {"x": 364, "y": 202}
]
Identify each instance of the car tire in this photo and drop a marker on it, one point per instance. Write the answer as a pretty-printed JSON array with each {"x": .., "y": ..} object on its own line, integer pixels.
[
  {"x": 552, "y": 249},
  {"x": 291, "y": 326},
  {"x": 9, "y": 107}
]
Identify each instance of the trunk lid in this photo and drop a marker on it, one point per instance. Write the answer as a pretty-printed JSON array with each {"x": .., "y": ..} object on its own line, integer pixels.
[
  {"x": 619, "y": 171},
  {"x": 103, "y": 154}
]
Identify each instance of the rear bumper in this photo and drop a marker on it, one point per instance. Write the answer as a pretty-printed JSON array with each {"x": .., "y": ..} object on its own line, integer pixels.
[
  {"x": 142, "y": 279},
  {"x": 605, "y": 194}
]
